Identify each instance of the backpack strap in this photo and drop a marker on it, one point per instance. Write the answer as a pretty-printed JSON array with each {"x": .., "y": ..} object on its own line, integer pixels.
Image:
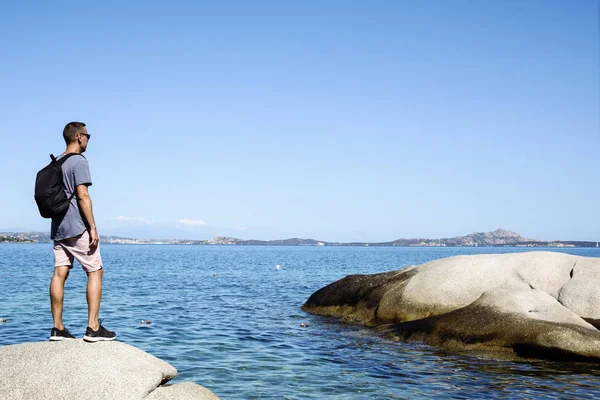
[
  {"x": 65, "y": 157},
  {"x": 73, "y": 195}
]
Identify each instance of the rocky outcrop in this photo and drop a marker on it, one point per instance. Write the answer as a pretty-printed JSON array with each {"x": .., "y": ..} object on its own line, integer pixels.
[
  {"x": 534, "y": 304},
  {"x": 184, "y": 390},
  {"x": 73, "y": 369}
]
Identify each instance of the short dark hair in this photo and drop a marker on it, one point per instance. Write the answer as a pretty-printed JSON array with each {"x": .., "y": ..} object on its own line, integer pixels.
[{"x": 71, "y": 130}]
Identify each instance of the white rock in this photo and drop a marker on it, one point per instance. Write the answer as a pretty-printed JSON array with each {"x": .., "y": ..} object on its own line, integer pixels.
[
  {"x": 73, "y": 369},
  {"x": 530, "y": 303},
  {"x": 444, "y": 285},
  {"x": 582, "y": 296}
]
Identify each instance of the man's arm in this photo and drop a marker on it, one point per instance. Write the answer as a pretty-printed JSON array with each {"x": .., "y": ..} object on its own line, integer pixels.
[{"x": 85, "y": 204}]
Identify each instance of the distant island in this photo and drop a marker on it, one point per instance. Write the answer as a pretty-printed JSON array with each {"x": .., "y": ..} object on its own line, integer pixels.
[
  {"x": 499, "y": 237},
  {"x": 14, "y": 239}
]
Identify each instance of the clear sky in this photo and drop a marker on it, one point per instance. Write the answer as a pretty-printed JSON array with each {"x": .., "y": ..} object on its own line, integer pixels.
[{"x": 332, "y": 120}]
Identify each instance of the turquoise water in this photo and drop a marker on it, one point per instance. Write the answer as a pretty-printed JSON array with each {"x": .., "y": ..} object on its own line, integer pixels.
[{"x": 227, "y": 319}]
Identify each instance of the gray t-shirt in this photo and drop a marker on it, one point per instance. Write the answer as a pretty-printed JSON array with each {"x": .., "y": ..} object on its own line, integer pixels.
[{"x": 76, "y": 171}]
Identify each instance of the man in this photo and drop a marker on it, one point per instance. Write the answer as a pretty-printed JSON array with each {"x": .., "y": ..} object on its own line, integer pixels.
[{"x": 75, "y": 237}]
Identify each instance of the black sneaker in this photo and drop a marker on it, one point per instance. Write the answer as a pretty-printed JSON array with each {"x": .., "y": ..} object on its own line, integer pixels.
[
  {"x": 102, "y": 334},
  {"x": 57, "y": 335}
]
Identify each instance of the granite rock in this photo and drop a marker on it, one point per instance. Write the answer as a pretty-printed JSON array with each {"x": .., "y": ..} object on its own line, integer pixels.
[
  {"x": 74, "y": 369},
  {"x": 534, "y": 304}
]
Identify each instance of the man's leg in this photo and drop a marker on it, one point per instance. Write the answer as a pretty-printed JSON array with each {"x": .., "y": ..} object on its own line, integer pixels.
[
  {"x": 57, "y": 294},
  {"x": 95, "y": 332},
  {"x": 91, "y": 263},
  {"x": 94, "y": 296}
]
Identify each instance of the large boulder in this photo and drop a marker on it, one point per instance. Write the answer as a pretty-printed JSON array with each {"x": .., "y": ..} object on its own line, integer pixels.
[
  {"x": 73, "y": 369},
  {"x": 533, "y": 304}
]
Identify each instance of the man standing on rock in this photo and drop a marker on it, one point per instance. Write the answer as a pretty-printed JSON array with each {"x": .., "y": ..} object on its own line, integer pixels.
[{"x": 75, "y": 237}]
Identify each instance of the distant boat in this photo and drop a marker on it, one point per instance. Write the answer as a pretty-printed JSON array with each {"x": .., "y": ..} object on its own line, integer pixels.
[{"x": 596, "y": 244}]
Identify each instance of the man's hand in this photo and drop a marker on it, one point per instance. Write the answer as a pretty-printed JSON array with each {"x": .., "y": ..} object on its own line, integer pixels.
[
  {"x": 85, "y": 205},
  {"x": 94, "y": 238}
]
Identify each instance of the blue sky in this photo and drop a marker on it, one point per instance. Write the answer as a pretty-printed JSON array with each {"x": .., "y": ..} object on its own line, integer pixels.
[{"x": 335, "y": 120}]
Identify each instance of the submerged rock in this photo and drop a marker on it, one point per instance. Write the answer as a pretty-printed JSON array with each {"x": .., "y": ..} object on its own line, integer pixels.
[
  {"x": 534, "y": 304},
  {"x": 73, "y": 369}
]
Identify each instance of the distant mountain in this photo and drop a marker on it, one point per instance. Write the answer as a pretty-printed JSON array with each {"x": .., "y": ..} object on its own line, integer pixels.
[{"x": 499, "y": 237}]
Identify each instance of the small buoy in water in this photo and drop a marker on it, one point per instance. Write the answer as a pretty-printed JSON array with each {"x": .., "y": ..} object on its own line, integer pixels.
[
  {"x": 3, "y": 320},
  {"x": 148, "y": 322},
  {"x": 214, "y": 274},
  {"x": 302, "y": 325},
  {"x": 307, "y": 325},
  {"x": 278, "y": 267},
  {"x": 142, "y": 322}
]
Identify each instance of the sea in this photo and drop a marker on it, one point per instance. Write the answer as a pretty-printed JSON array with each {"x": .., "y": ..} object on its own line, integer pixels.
[{"x": 229, "y": 319}]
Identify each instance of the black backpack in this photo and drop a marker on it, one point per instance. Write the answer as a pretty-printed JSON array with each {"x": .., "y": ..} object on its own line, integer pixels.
[{"x": 50, "y": 195}]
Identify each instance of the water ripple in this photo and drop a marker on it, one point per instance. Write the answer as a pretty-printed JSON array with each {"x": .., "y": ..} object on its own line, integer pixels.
[{"x": 228, "y": 320}]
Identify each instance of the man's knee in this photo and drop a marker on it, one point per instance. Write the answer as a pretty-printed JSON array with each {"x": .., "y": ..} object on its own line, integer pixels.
[
  {"x": 96, "y": 274},
  {"x": 62, "y": 272}
]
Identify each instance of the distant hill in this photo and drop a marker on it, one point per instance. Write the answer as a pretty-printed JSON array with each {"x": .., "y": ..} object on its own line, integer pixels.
[
  {"x": 25, "y": 236},
  {"x": 12, "y": 239},
  {"x": 499, "y": 237}
]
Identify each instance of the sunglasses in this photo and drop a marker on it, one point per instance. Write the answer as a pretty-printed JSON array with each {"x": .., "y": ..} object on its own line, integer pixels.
[{"x": 87, "y": 135}]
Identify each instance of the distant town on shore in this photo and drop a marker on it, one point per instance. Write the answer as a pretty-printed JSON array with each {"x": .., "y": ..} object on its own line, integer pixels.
[{"x": 498, "y": 238}]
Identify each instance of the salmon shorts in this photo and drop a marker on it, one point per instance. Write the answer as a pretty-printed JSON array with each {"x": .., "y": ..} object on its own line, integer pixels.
[{"x": 78, "y": 247}]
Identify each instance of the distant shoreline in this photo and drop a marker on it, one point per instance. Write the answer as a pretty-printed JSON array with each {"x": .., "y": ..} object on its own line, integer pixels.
[
  {"x": 497, "y": 238},
  {"x": 559, "y": 246}
]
